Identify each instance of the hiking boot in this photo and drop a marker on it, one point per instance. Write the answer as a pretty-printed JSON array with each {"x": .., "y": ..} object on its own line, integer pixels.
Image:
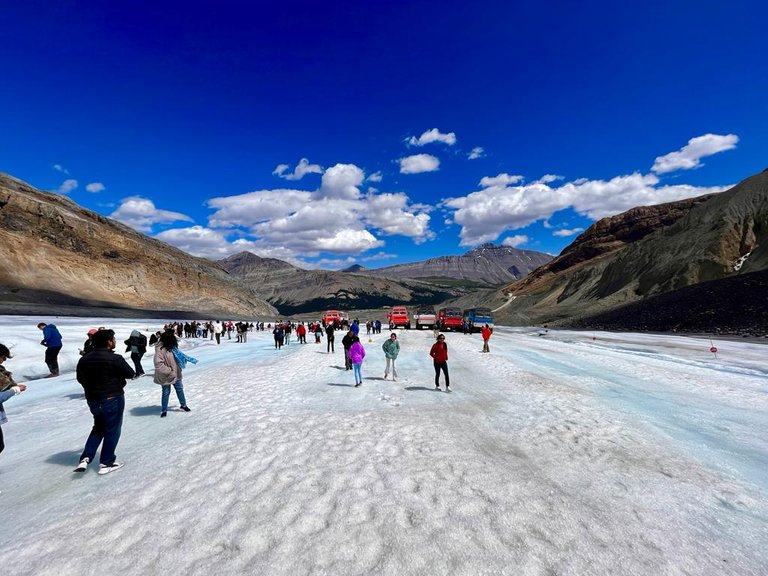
[
  {"x": 186, "y": 409},
  {"x": 83, "y": 466},
  {"x": 163, "y": 414}
]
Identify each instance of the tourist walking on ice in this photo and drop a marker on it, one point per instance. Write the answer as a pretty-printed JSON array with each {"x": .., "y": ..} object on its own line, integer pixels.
[
  {"x": 439, "y": 353},
  {"x": 329, "y": 330},
  {"x": 103, "y": 375},
  {"x": 137, "y": 346},
  {"x": 486, "y": 334},
  {"x": 279, "y": 336},
  {"x": 356, "y": 356},
  {"x": 8, "y": 389},
  {"x": 349, "y": 339},
  {"x": 391, "y": 349},
  {"x": 52, "y": 342},
  {"x": 169, "y": 363}
]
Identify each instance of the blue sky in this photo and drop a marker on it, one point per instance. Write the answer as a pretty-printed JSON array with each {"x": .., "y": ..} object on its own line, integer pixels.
[{"x": 327, "y": 133}]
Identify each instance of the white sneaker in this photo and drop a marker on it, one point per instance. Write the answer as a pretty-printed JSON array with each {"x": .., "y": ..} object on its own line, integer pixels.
[
  {"x": 83, "y": 466},
  {"x": 104, "y": 469}
]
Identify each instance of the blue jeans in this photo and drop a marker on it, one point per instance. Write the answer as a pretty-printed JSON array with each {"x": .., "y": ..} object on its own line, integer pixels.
[
  {"x": 179, "y": 394},
  {"x": 107, "y": 425},
  {"x": 358, "y": 372}
]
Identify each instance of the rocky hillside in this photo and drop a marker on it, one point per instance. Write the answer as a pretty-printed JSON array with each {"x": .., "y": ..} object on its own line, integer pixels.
[
  {"x": 488, "y": 264},
  {"x": 59, "y": 258},
  {"x": 651, "y": 251},
  {"x": 295, "y": 290}
]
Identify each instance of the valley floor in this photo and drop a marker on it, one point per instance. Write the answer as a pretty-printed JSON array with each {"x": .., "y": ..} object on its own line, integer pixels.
[{"x": 573, "y": 453}]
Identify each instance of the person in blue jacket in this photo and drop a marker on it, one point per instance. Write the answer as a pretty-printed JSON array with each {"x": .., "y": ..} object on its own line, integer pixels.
[{"x": 52, "y": 342}]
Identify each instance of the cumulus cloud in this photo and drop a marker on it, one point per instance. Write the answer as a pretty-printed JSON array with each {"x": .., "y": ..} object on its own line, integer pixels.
[
  {"x": 515, "y": 241},
  {"x": 431, "y": 136},
  {"x": 565, "y": 232},
  {"x": 336, "y": 218},
  {"x": 95, "y": 187},
  {"x": 690, "y": 155},
  {"x": 503, "y": 179},
  {"x": 141, "y": 214},
  {"x": 486, "y": 214},
  {"x": 419, "y": 163},
  {"x": 342, "y": 181},
  {"x": 477, "y": 152},
  {"x": 67, "y": 186},
  {"x": 302, "y": 169},
  {"x": 253, "y": 207},
  {"x": 375, "y": 177},
  {"x": 390, "y": 214}
]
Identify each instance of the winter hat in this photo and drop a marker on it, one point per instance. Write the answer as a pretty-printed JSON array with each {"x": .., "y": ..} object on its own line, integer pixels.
[{"x": 4, "y": 351}]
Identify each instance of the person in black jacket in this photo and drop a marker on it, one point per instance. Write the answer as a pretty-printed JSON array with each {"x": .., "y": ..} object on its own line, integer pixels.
[
  {"x": 102, "y": 373},
  {"x": 349, "y": 339}
]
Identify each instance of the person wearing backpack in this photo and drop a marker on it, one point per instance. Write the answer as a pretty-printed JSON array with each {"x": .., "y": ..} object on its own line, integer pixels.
[{"x": 137, "y": 346}]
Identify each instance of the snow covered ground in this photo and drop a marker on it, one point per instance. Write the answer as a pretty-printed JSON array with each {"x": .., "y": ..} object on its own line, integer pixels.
[{"x": 627, "y": 454}]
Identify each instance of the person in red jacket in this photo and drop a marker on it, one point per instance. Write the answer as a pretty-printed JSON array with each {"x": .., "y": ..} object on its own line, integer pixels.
[
  {"x": 486, "y": 334},
  {"x": 301, "y": 332},
  {"x": 439, "y": 353}
]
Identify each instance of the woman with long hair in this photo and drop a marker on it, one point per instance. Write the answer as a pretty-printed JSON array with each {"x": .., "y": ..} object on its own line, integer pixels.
[{"x": 169, "y": 362}]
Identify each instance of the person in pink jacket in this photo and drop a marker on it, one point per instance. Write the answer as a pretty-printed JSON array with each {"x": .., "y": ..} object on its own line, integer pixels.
[{"x": 356, "y": 355}]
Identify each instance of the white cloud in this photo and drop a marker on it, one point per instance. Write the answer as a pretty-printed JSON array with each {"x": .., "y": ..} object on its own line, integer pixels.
[
  {"x": 486, "y": 214},
  {"x": 431, "y": 136},
  {"x": 245, "y": 210},
  {"x": 95, "y": 187},
  {"x": 302, "y": 169},
  {"x": 375, "y": 177},
  {"x": 335, "y": 218},
  {"x": 141, "y": 214},
  {"x": 419, "y": 163},
  {"x": 67, "y": 186},
  {"x": 565, "y": 232},
  {"x": 477, "y": 152},
  {"x": 690, "y": 155},
  {"x": 348, "y": 240},
  {"x": 515, "y": 241},
  {"x": 60, "y": 168},
  {"x": 390, "y": 214},
  {"x": 548, "y": 178},
  {"x": 342, "y": 181},
  {"x": 502, "y": 180}
]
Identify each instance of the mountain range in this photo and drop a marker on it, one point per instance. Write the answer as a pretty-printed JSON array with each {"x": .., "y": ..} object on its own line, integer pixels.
[
  {"x": 59, "y": 258},
  {"x": 699, "y": 264},
  {"x": 488, "y": 264},
  {"x": 682, "y": 265}
]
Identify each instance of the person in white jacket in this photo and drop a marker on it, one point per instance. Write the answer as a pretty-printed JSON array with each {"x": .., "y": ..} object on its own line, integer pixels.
[
  {"x": 217, "y": 330},
  {"x": 8, "y": 389}
]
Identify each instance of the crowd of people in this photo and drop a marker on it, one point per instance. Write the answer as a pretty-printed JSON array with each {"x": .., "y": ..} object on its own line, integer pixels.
[{"x": 104, "y": 374}]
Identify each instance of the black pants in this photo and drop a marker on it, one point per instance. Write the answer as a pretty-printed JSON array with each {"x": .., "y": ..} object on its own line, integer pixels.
[
  {"x": 51, "y": 358},
  {"x": 329, "y": 347},
  {"x": 136, "y": 357},
  {"x": 444, "y": 367}
]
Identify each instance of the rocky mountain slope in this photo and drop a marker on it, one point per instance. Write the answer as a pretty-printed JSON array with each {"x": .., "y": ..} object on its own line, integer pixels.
[
  {"x": 59, "y": 258},
  {"x": 295, "y": 290},
  {"x": 488, "y": 264},
  {"x": 650, "y": 251}
]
